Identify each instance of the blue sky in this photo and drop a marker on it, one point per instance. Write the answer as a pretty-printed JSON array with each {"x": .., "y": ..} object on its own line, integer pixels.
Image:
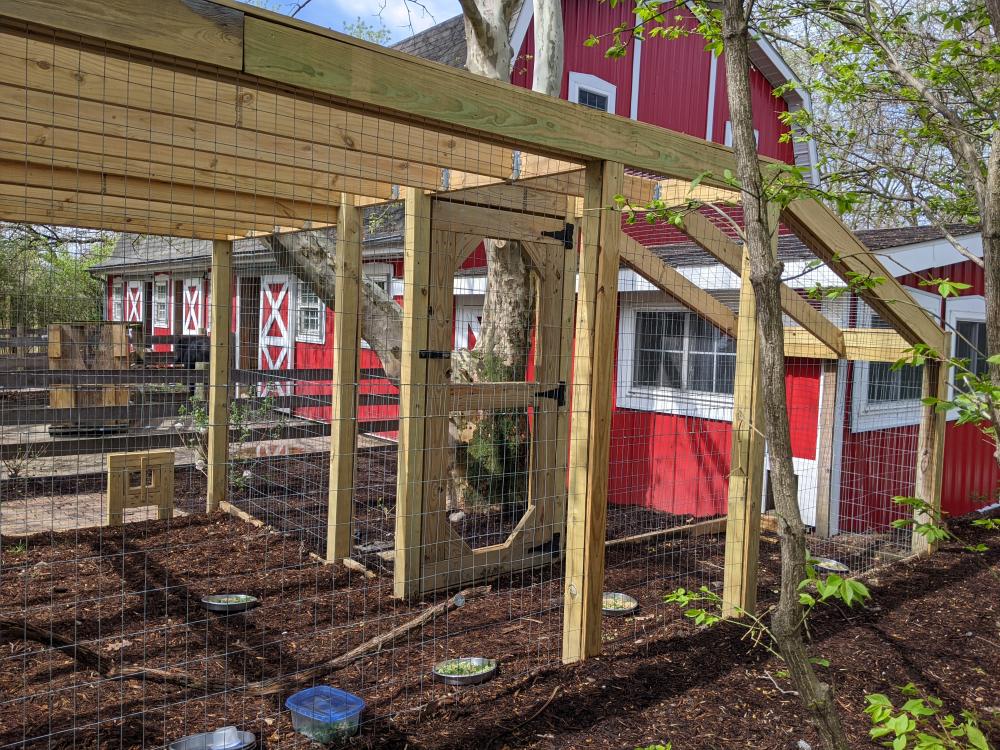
[{"x": 335, "y": 13}]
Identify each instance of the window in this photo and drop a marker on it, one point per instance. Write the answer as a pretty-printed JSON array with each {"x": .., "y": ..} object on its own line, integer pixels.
[
  {"x": 161, "y": 311},
  {"x": 885, "y": 396},
  {"x": 117, "y": 301},
  {"x": 671, "y": 360},
  {"x": 682, "y": 351},
  {"x": 591, "y": 91},
  {"x": 970, "y": 344},
  {"x": 729, "y": 134},
  {"x": 309, "y": 323}
]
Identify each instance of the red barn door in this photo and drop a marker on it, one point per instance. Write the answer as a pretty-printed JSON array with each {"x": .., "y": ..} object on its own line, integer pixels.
[
  {"x": 133, "y": 302},
  {"x": 192, "y": 314},
  {"x": 276, "y": 348}
]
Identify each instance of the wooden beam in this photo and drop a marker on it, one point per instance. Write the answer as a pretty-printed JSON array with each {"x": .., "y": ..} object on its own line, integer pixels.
[
  {"x": 830, "y": 422},
  {"x": 833, "y": 243},
  {"x": 662, "y": 275},
  {"x": 715, "y": 242},
  {"x": 412, "y": 395},
  {"x": 346, "y": 373},
  {"x": 191, "y": 29},
  {"x": 219, "y": 392},
  {"x": 930, "y": 446},
  {"x": 698, "y": 528},
  {"x": 496, "y": 223},
  {"x": 746, "y": 472},
  {"x": 864, "y": 344},
  {"x": 421, "y": 91},
  {"x": 590, "y": 431}
]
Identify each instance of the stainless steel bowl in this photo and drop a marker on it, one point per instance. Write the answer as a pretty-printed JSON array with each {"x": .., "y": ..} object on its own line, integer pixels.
[
  {"x": 492, "y": 668},
  {"x": 229, "y": 603},
  {"x": 617, "y": 604},
  {"x": 227, "y": 738},
  {"x": 829, "y": 565}
]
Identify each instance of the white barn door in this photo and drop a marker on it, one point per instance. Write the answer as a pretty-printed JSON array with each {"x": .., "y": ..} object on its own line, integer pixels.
[
  {"x": 192, "y": 319},
  {"x": 276, "y": 344},
  {"x": 133, "y": 302}
]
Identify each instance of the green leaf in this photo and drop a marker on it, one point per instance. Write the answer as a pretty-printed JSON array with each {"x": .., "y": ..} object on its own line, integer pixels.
[{"x": 899, "y": 743}]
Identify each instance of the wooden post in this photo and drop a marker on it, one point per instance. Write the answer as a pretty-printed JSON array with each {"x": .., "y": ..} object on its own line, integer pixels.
[
  {"x": 746, "y": 473},
  {"x": 829, "y": 423},
  {"x": 346, "y": 345},
  {"x": 412, "y": 394},
  {"x": 220, "y": 365},
  {"x": 930, "y": 446},
  {"x": 590, "y": 430}
]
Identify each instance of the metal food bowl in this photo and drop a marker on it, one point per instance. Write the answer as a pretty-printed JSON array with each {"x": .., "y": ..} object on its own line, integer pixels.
[
  {"x": 829, "y": 565},
  {"x": 489, "y": 668},
  {"x": 229, "y": 603},
  {"x": 227, "y": 738},
  {"x": 617, "y": 604}
]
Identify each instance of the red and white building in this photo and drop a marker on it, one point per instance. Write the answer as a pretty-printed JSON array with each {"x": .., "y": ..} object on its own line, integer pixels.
[{"x": 671, "y": 427}]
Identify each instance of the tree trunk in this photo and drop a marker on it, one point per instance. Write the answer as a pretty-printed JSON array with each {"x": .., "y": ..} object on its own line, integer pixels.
[
  {"x": 991, "y": 254},
  {"x": 765, "y": 275},
  {"x": 309, "y": 256}
]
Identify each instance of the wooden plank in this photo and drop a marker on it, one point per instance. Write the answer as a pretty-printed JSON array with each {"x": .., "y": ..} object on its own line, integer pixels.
[
  {"x": 590, "y": 434},
  {"x": 219, "y": 390},
  {"x": 462, "y": 218},
  {"x": 833, "y": 243},
  {"x": 829, "y": 423},
  {"x": 730, "y": 254},
  {"x": 496, "y": 396},
  {"x": 930, "y": 447},
  {"x": 669, "y": 280},
  {"x": 346, "y": 348},
  {"x": 191, "y": 29},
  {"x": 746, "y": 473},
  {"x": 412, "y": 395},
  {"x": 865, "y": 344},
  {"x": 418, "y": 90}
]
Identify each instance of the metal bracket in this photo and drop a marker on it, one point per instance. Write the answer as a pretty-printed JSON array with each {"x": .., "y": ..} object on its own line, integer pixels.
[
  {"x": 431, "y": 354},
  {"x": 565, "y": 235},
  {"x": 558, "y": 393}
]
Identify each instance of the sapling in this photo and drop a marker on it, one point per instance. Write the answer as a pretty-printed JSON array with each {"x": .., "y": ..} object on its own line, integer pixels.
[{"x": 921, "y": 723}]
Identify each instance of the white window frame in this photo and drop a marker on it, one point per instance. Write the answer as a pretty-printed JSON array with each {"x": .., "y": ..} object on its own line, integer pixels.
[
  {"x": 165, "y": 320},
  {"x": 869, "y": 416},
  {"x": 117, "y": 300},
  {"x": 729, "y": 135},
  {"x": 688, "y": 403},
  {"x": 593, "y": 84},
  {"x": 968, "y": 308},
  {"x": 378, "y": 272},
  {"x": 301, "y": 334}
]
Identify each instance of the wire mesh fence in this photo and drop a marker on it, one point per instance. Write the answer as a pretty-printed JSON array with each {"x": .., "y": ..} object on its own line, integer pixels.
[{"x": 380, "y": 357}]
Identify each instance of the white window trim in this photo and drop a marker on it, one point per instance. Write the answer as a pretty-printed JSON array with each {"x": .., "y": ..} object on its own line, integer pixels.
[
  {"x": 117, "y": 300},
  {"x": 868, "y": 417},
  {"x": 729, "y": 134},
  {"x": 699, "y": 404},
  {"x": 382, "y": 270},
  {"x": 970, "y": 308},
  {"x": 157, "y": 321},
  {"x": 305, "y": 336},
  {"x": 587, "y": 82}
]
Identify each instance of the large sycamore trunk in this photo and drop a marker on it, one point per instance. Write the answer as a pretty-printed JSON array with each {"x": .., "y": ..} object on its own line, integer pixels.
[{"x": 765, "y": 275}]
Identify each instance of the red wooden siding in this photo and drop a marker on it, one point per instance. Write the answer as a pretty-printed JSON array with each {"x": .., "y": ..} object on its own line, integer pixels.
[
  {"x": 674, "y": 81},
  {"x": 966, "y": 272},
  {"x": 766, "y": 108}
]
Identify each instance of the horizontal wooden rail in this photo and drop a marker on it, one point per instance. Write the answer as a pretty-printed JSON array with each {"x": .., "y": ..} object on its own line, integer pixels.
[
  {"x": 160, "y": 376},
  {"x": 171, "y": 439}
]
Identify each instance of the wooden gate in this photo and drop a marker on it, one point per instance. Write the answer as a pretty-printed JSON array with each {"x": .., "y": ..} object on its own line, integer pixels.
[{"x": 430, "y": 554}]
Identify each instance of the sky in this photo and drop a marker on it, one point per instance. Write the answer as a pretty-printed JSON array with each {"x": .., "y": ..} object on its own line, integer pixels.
[{"x": 397, "y": 15}]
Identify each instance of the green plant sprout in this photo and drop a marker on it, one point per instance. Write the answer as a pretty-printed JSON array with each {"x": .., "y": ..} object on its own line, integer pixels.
[{"x": 921, "y": 724}]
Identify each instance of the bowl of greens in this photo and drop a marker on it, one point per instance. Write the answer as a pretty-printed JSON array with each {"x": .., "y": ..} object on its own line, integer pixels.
[
  {"x": 617, "y": 604},
  {"x": 466, "y": 670}
]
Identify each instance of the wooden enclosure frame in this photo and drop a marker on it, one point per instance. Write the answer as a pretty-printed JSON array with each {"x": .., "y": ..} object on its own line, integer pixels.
[
  {"x": 122, "y": 495},
  {"x": 216, "y": 160}
]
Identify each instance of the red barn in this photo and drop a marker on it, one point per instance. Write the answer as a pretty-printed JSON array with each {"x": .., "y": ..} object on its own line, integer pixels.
[{"x": 853, "y": 423}]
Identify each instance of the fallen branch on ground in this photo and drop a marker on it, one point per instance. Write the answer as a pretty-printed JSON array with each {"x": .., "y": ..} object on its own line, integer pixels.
[{"x": 21, "y": 631}]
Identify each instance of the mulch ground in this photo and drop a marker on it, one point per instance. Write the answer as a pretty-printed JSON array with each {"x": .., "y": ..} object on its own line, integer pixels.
[{"x": 132, "y": 595}]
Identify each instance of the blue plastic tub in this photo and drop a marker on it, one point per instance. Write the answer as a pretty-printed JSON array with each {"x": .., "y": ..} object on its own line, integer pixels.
[{"x": 325, "y": 714}]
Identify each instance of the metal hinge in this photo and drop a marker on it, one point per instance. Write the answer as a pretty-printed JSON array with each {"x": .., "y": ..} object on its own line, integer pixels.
[
  {"x": 558, "y": 393},
  {"x": 564, "y": 235},
  {"x": 431, "y": 354}
]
